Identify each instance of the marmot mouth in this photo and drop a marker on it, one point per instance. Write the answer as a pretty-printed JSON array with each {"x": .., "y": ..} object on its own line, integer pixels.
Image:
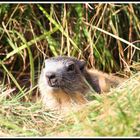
[{"x": 53, "y": 84}]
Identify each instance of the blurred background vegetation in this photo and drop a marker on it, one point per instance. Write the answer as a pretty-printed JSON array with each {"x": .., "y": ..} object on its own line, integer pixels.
[{"x": 29, "y": 33}]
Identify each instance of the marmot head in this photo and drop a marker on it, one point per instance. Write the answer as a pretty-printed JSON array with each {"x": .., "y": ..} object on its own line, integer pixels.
[{"x": 65, "y": 73}]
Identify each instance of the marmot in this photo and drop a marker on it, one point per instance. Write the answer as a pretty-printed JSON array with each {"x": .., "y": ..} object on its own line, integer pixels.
[{"x": 65, "y": 81}]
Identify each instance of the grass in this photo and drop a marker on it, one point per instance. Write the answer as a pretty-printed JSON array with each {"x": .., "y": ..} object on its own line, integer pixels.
[{"x": 114, "y": 114}]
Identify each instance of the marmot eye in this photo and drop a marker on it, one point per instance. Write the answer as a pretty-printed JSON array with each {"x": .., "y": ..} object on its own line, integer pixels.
[{"x": 70, "y": 67}]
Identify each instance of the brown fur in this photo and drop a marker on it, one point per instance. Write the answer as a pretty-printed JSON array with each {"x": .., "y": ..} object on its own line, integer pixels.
[{"x": 106, "y": 81}]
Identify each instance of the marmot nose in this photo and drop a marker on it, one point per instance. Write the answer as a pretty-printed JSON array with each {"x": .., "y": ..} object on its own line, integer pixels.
[{"x": 51, "y": 77}]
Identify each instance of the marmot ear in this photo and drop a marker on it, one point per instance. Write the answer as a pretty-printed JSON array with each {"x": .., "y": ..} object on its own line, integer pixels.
[{"x": 82, "y": 64}]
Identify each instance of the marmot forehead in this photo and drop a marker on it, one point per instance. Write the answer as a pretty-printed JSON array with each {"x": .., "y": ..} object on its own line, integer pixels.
[
  {"x": 59, "y": 62},
  {"x": 61, "y": 59}
]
